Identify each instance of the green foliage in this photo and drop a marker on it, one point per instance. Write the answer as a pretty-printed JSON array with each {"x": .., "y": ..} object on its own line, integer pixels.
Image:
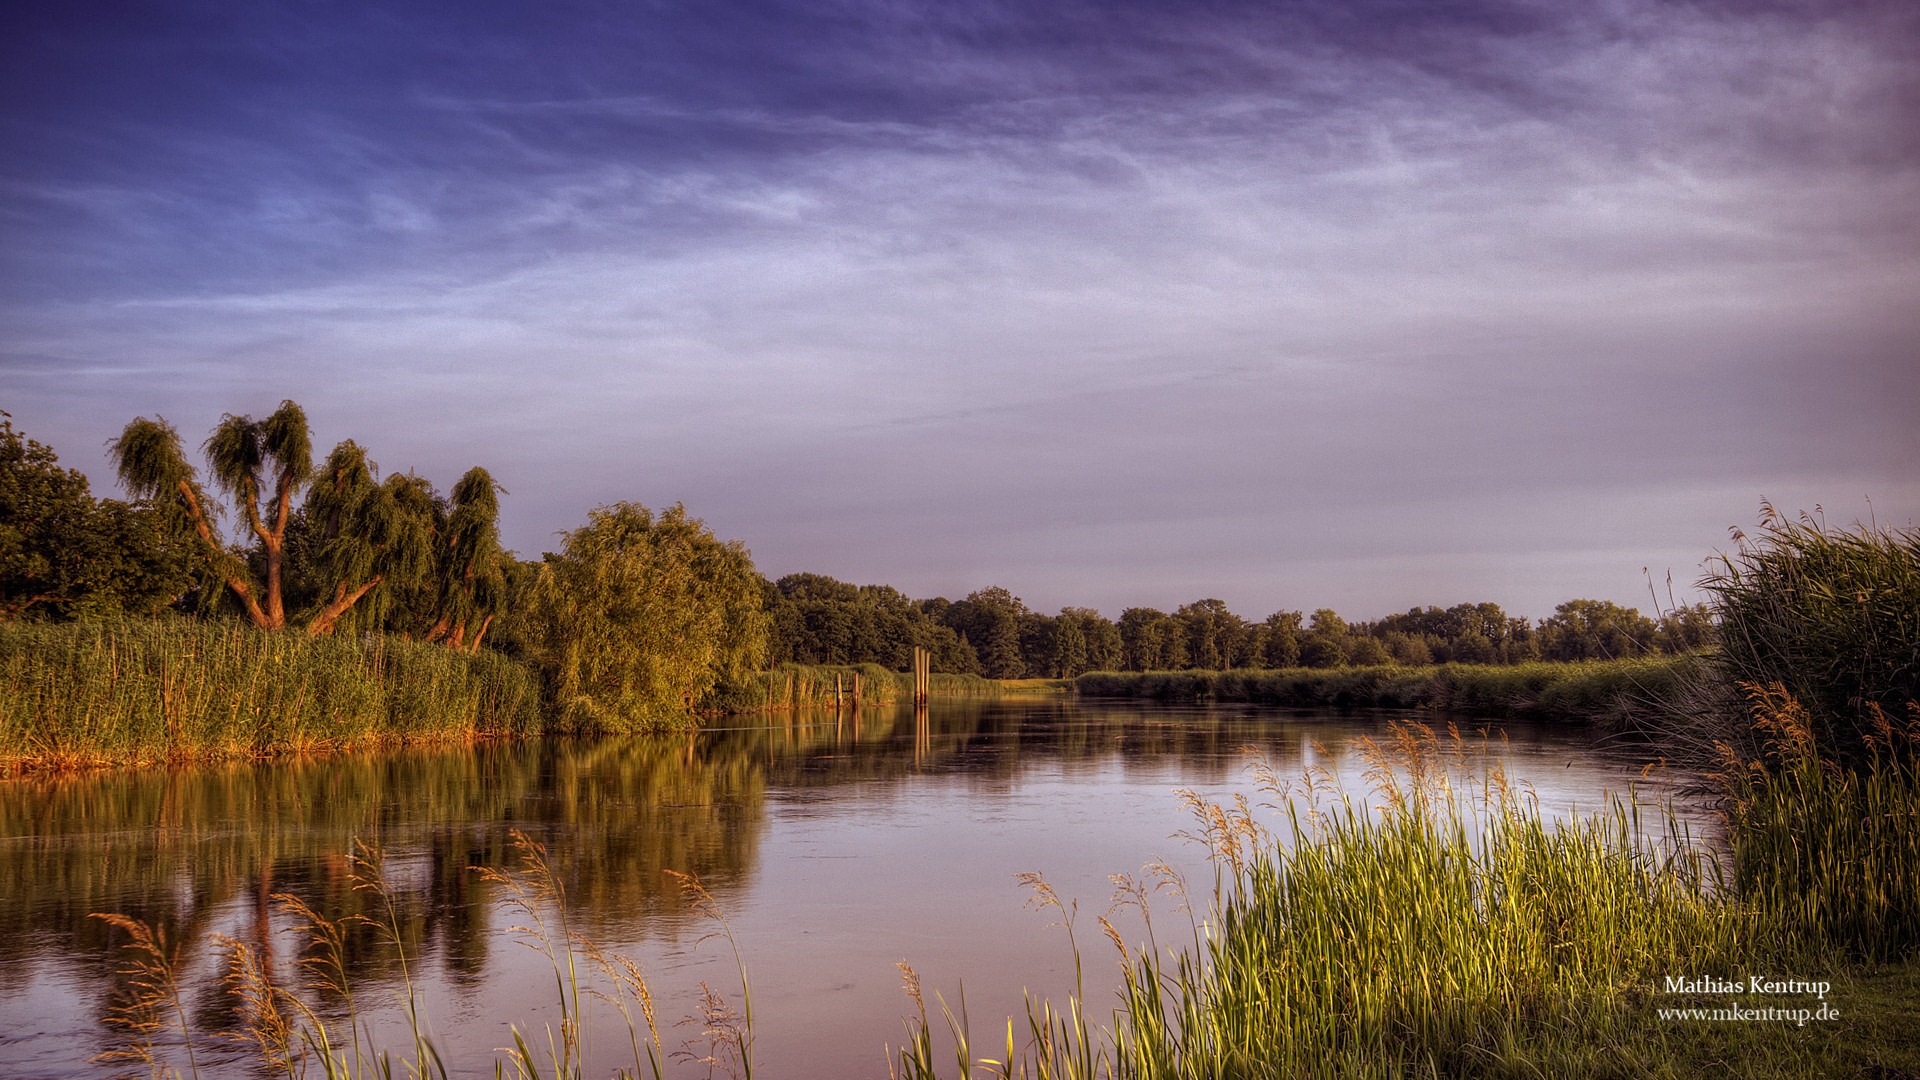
[
  {"x": 472, "y": 568},
  {"x": 819, "y": 620},
  {"x": 1281, "y": 642},
  {"x": 364, "y": 533},
  {"x": 430, "y": 571},
  {"x": 1150, "y": 640},
  {"x": 826, "y": 686},
  {"x": 1464, "y": 633},
  {"x": 130, "y": 691},
  {"x": 64, "y": 554},
  {"x": 640, "y": 616},
  {"x": 1832, "y": 615},
  {"x": 151, "y": 464},
  {"x": 990, "y": 620},
  {"x": 1596, "y": 630}
]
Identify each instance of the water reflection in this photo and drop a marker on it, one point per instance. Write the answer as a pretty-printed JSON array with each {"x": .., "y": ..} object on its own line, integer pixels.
[{"x": 846, "y": 839}]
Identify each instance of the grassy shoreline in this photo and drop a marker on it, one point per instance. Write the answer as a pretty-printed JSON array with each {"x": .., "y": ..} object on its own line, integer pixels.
[
  {"x": 120, "y": 693},
  {"x": 1607, "y": 691},
  {"x": 131, "y": 693},
  {"x": 813, "y": 686},
  {"x": 1420, "y": 933}
]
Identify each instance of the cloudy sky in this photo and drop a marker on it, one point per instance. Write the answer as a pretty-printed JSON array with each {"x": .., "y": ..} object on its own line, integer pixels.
[{"x": 1350, "y": 303}]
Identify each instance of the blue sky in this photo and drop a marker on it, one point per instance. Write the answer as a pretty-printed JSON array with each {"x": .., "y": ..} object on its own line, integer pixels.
[{"x": 1358, "y": 305}]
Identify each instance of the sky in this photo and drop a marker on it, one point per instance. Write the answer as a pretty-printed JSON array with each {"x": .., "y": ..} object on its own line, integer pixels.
[{"x": 1361, "y": 304}]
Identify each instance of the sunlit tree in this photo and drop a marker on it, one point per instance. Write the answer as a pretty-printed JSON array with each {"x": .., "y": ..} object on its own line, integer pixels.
[
  {"x": 471, "y": 566},
  {"x": 368, "y": 532},
  {"x": 640, "y": 616},
  {"x": 153, "y": 466},
  {"x": 1282, "y": 639},
  {"x": 353, "y": 535},
  {"x": 991, "y": 619}
]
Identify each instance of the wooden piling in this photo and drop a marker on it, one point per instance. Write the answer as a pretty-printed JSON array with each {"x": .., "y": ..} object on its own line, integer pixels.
[{"x": 922, "y": 675}]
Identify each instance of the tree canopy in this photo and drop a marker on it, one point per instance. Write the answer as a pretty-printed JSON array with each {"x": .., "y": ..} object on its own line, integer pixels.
[
  {"x": 640, "y": 615},
  {"x": 353, "y": 534},
  {"x": 66, "y": 554}
]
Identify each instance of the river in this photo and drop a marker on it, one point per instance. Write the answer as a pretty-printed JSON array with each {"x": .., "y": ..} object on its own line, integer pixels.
[{"x": 834, "y": 846}]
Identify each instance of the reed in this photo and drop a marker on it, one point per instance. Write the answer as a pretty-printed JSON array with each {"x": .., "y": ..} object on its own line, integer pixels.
[
  {"x": 1831, "y": 615},
  {"x": 175, "y": 689},
  {"x": 1828, "y": 856},
  {"x": 1423, "y": 933},
  {"x": 817, "y": 686}
]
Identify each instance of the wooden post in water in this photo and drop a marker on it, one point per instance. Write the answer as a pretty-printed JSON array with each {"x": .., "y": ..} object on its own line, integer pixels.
[{"x": 922, "y": 675}]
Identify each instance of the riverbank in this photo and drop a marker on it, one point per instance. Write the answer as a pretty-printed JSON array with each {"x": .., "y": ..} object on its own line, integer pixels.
[
  {"x": 1421, "y": 933},
  {"x": 138, "y": 692},
  {"x": 133, "y": 692},
  {"x": 1612, "y": 692},
  {"x": 826, "y": 686}
]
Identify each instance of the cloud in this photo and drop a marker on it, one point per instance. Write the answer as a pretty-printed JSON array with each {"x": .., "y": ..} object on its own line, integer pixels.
[{"x": 1276, "y": 305}]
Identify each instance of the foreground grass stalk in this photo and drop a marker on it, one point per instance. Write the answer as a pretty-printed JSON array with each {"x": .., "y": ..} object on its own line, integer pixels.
[
  {"x": 722, "y": 1025},
  {"x": 153, "y": 991}
]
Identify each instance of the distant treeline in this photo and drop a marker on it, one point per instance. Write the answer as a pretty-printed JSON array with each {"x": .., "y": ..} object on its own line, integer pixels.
[
  {"x": 642, "y": 616},
  {"x": 818, "y": 620},
  {"x": 1621, "y": 693}
]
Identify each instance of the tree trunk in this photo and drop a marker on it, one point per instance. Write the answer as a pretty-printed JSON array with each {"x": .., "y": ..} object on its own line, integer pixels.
[
  {"x": 241, "y": 587},
  {"x": 474, "y": 645},
  {"x": 342, "y": 600}
]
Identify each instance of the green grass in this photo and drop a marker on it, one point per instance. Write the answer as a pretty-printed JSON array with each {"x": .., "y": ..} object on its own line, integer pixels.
[
  {"x": 1426, "y": 935},
  {"x": 1832, "y": 615},
  {"x": 1605, "y": 690},
  {"x": 813, "y": 686},
  {"x": 1829, "y": 856},
  {"x": 170, "y": 690}
]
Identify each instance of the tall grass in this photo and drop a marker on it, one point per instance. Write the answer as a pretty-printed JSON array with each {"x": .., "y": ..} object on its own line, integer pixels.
[
  {"x": 1605, "y": 690},
  {"x": 1831, "y": 615},
  {"x": 1829, "y": 856},
  {"x": 815, "y": 686},
  {"x": 1426, "y": 934},
  {"x": 127, "y": 692},
  {"x": 1426, "y": 931}
]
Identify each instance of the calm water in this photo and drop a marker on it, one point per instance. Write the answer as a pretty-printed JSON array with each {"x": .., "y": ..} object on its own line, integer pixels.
[{"x": 835, "y": 846}]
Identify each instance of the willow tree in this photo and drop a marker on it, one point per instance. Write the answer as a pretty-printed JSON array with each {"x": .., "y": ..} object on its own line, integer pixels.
[
  {"x": 244, "y": 456},
  {"x": 368, "y": 532},
  {"x": 471, "y": 573},
  {"x": 640, "y": 616}
]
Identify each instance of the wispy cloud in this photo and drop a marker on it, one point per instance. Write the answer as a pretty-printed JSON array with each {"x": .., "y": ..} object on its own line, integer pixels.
[{"x": 1286, "y": 305}]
